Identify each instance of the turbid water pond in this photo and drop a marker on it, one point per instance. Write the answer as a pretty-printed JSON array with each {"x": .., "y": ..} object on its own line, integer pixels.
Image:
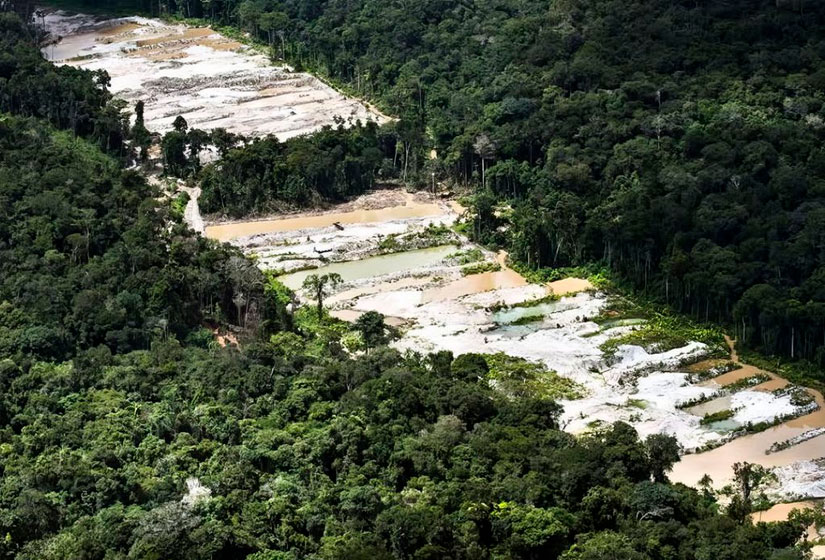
[
  {"x": 215, "y": 82},
  {"x": 437, "y": 307},
  {"x": 373, "y": 266}
]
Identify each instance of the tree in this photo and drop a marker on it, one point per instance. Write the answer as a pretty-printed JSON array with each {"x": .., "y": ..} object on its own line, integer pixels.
[
  {"x": 372, "y": 328},
  {"x": 747, "y": 478},
  {"x": 180, "y": 124},
  {"x": 274, "y": 23},
  {"x": 319, "y": 285},
  {"x": 662, "y": 453},
  {"x": 485, "y": 149},
  {"x": 140, "y": 135},
  {"x": 173, "y": 149}
]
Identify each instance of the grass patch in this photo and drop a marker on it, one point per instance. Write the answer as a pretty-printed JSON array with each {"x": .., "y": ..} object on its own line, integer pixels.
[
  {"x": 709, "y": 369},
  {"x": 527, "y": 320},
  {"x": 620, "y": 309},
  {"x": 479, "y": 268},
  {"x": 663, "y": 332},
  {"x": 637, "y": 403},
  {"x": 466, "y": 257},
  {"x": 599, "y": 276},
  {"x": 178, "y": 204},
  {"x": 716, "y": 417},
  {"x": 519, "y": 377}
]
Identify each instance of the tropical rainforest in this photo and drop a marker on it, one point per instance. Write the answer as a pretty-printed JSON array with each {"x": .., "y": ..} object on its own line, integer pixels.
[
  {"x": 679, "y": 143},
  {"x": 128, "y": 431}
]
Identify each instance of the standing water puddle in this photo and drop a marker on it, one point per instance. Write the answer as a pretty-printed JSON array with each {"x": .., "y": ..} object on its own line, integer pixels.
[
  {"x": 373, "y": 266},
  {"x": 711, "y": 407}
]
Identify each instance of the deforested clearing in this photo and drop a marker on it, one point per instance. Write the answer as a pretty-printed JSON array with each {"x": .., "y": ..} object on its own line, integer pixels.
[{"x": 195, "y": 72}]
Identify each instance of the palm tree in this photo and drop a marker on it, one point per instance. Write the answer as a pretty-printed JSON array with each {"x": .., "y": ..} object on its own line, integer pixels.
[{"x": 318, "y": 285}]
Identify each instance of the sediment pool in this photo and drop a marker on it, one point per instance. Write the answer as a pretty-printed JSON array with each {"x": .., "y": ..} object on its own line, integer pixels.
[
  {"x": 438, "y": 308},
  {"x": 373, "y": 266}
]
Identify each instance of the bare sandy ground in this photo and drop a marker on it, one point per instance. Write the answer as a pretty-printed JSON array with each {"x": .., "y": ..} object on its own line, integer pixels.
[
  {"x": 212, "y": 81},
  {"x": 439, "y": 308}
]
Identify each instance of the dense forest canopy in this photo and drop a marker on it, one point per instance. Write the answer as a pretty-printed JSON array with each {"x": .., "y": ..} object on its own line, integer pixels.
[
  {"x": 679, "y": 143},
  {"x": 125, "y": 432}
]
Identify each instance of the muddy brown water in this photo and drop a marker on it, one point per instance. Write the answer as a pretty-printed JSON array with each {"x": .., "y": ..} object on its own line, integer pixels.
[
  {"x": 500, "y": 279},
  {"x": 780, "y": 512},
  {"x": 413, "y": 209},
  {"x": 477, "y": 283},
  {"x": 718, "y": 463}
]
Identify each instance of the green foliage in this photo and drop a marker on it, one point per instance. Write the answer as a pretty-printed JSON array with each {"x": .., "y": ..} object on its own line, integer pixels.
[
  {"x": 479, "y": 268},
  {"x": 372, "y": 329},
  {"x": 319, "y": 286},
  {"x": 178, "y": 204},
  {"x": 467, "y": 256},
  {"x": 716, "y": 417},
  {"x": 117, "y": 441},
  {"x": 520, "y": 377},
  {"x": 527, "y": 320},
  {"x": 434, "y": 235},
  {"x": 663, "y": 332},
  {"x": 267, "y": 175},
  {"x": 68, "y": 98}
]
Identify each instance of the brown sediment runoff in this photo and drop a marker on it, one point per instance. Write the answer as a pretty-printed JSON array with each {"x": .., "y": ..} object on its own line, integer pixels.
[
  {"x": 705, "y": 365},
  {"x": 569, "y": 286},
  {"x": 186, "y": 33},
  {"x": 477, "y": 283},
  {"x": 119, "y": 29},
  {"x": 228, "y": 231},
  {"x": 718, "y": 462},
  {"x": 457, "y": 207},
  {"x": 772, "y": 385},
  {"x": 780, "y": 512}
]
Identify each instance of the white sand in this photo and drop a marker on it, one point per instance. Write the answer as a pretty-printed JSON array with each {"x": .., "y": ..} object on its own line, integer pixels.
[{"x": 207, "y": 79}]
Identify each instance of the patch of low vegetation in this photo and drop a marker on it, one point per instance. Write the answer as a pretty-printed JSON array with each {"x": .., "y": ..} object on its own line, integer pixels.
[
  {"x": 390, "y": 244},
  {"x": 796, "y": 440},
  {"x": 549, "y": 298},
  {"x": 747, "y": 382},
  {"x": 430, "y": 236},
  {"x": 527, "y": 320},
  {"x": 717, "y": 417},
  {"x": 637, "y": 403},
  {"x": 620, "y": 308},
  {"x": 734, "y": 387},
  {"x": 519, "y": 377},
  {"x": 708, "y": 369},
  {"x": 599, "y": 276},
  {"x": 707, "y": 397},
  {"x": 800, "y": 397},
  {"x": 467, "y": 256},
  {"x": 480, "y": 268},
  {"x": 178, "y": 204},
  {"x": 663, "y": 332}
]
